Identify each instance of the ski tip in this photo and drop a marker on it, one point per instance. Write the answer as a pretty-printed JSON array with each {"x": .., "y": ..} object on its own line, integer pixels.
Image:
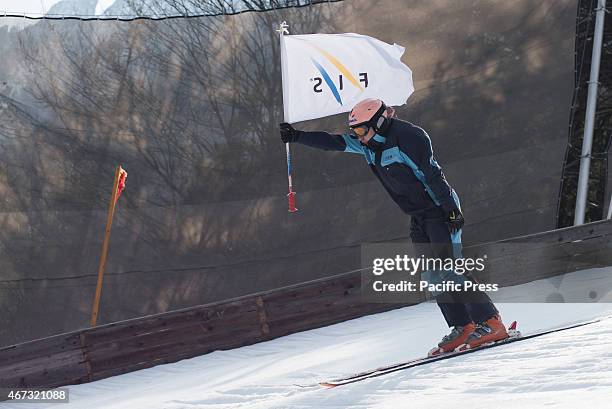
[
  {"x": 327, "y": 385},
  {"x": 513, "y": 325}
]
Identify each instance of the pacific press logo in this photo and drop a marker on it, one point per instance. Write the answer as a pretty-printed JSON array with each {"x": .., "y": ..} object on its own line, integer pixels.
[{"x": 361, "y": 83}]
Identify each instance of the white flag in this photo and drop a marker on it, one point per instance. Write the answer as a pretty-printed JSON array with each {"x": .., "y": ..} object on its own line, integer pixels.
[{"x": 326, "y": 74}]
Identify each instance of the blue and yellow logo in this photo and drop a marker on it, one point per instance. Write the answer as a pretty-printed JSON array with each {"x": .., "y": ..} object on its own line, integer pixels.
[{"x": 344, "y": 73}]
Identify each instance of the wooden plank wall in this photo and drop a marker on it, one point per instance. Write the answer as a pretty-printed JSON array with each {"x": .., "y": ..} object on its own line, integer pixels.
[
  {"x": 523, "y": 259},
  {"x": 113, "y": 349}
]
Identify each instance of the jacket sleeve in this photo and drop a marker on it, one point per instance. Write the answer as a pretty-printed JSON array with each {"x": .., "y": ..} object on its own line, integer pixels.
[
  {"x": 329, "y": 142},
  {"x": 432, "y": 176}
]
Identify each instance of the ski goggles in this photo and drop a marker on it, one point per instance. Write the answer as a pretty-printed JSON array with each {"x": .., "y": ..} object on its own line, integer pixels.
[{"x": 359, "y": 130}]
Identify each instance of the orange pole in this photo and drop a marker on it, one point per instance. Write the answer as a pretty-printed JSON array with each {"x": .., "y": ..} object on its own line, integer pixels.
[{"x": 109, "y": 223}]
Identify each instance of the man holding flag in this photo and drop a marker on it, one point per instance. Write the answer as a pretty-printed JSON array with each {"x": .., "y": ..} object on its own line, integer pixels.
[
  {"x": 326, "y": 74},
  {"x": 400, "y": 155}
]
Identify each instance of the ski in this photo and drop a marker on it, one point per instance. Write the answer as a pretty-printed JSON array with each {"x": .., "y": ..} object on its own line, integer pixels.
[{"x": 513, "y": 337}]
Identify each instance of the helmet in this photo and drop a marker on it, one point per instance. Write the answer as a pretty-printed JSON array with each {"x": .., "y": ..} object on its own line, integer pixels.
[{"x": 368, "y": 114}]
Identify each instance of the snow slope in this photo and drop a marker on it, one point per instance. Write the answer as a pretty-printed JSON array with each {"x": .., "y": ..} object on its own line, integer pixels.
[{"x": 562, "y": 370}]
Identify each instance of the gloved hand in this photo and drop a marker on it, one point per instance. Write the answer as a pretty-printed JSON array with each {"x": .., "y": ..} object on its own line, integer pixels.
[
  {"x": 288, "y": 133},
  {"x": 455, "y": 220}
]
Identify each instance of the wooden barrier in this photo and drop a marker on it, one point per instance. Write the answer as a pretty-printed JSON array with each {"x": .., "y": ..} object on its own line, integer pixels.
[
  {"x": 48, "y": 362},
  {"x": 121, "y": 347}
]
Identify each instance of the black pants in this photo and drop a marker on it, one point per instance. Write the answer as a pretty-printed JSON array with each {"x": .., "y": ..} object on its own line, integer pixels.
[{"x": 458, "y": 308}]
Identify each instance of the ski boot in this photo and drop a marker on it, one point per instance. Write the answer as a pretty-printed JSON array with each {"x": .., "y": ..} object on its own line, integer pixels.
[
  {"x": 457, "y": 337},
  {"x": 488, "y": 332}
]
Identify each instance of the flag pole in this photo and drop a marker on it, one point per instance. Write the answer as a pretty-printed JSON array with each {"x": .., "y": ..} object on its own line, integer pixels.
[
  {"x": 282, "y": 30},
  {"x": 119, "y": 176},
  {"x": 291, "y": 194}
]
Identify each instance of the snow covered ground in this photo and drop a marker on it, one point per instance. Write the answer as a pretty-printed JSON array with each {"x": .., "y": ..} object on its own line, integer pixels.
[{"x": 568, "y": 369}]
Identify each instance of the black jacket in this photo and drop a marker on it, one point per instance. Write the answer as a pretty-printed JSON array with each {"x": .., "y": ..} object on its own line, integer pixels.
[{"x": 405, "y": 165}]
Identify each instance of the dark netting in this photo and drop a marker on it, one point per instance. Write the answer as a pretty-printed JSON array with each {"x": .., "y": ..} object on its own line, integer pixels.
[
  {"x": 190, "y": 108},
  {"x": 598, "y": 191}
]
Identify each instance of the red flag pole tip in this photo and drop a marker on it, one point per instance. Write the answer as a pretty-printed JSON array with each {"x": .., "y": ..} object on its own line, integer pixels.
[{"x": 291, "y": 199}]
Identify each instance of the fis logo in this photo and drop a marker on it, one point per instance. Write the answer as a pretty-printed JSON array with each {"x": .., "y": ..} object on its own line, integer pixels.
[{"x": 344, "y": 74}]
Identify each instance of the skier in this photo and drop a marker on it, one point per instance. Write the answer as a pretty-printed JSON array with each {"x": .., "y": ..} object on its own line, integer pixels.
[{"x": 400, "y": 155}]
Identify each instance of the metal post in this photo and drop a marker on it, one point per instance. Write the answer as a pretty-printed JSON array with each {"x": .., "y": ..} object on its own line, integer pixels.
[
  {"x": 589, "y": 121},
  {"x": 610, "y": 209}
]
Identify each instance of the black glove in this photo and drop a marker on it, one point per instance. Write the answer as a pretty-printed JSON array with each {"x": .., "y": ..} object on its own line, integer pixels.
[
  {"x": 455, "y": 220},
  {"x": 288, "y": 133}
]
